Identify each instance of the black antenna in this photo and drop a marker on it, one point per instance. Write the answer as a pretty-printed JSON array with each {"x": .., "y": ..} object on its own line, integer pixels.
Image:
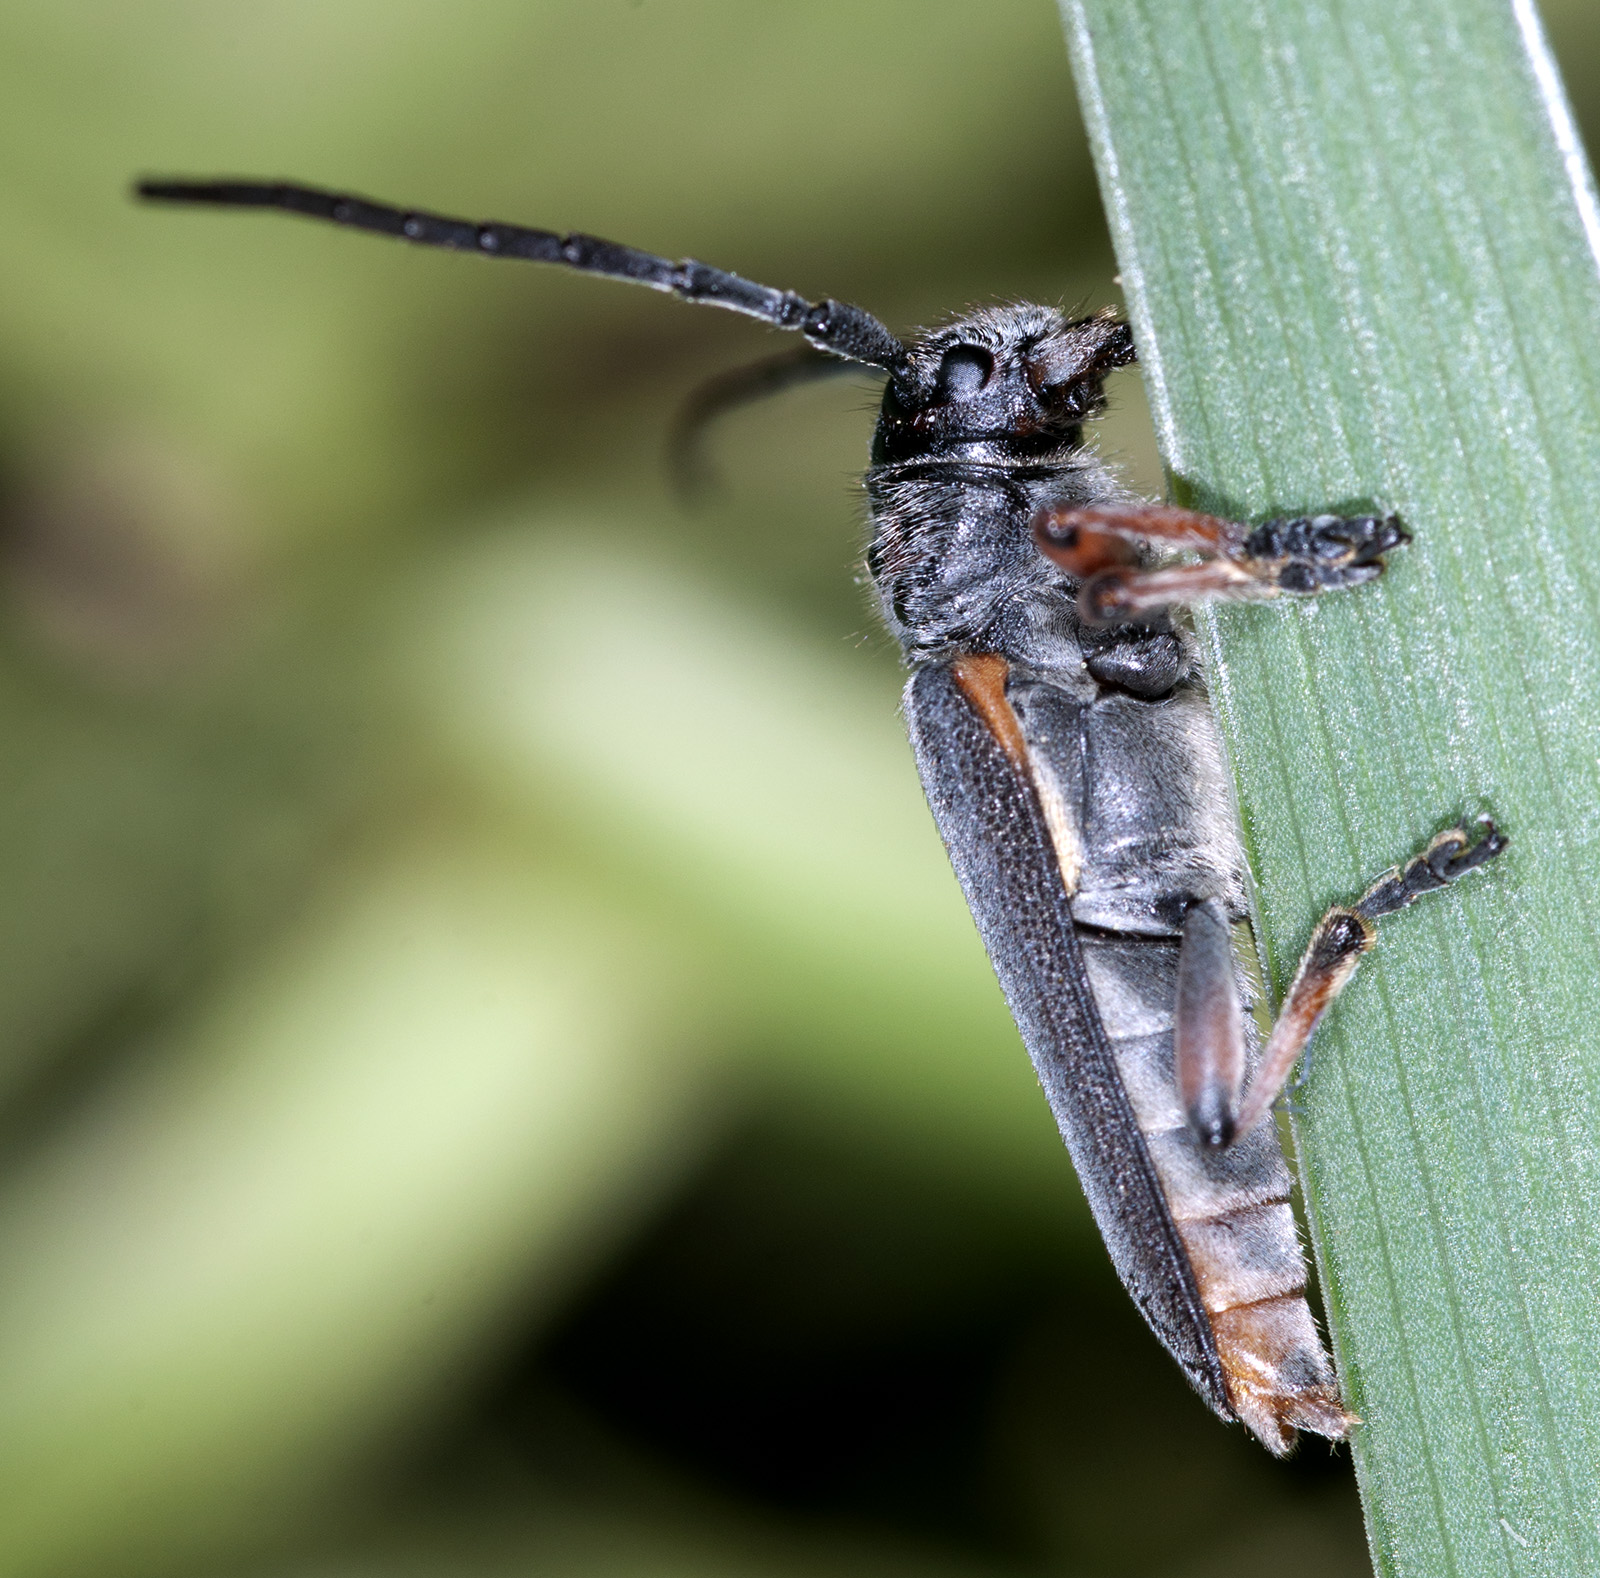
[
  {"x": 831, "y": 326},
  {"x": 727, "y": 391}
]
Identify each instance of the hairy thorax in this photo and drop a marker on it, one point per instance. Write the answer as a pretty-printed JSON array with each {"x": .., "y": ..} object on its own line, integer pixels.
[{"x": 952, "y": 557}]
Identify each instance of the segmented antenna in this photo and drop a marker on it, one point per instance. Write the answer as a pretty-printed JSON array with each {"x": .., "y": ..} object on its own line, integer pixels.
[
  {"x": 727, "y": 391},
  {"x": 831, "y": 326}
]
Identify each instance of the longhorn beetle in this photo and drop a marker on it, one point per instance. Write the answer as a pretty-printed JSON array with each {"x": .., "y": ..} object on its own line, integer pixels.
[{"x": 1061, "y": 728}]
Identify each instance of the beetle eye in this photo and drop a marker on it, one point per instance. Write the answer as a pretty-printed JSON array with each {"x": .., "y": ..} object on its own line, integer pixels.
[{"x": 963, "y": 371}]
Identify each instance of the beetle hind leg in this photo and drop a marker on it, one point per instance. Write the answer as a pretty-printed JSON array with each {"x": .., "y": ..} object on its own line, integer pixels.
[
  {"x": 1336, "y": 946},
  {"x": 1279, "y": 1377},
  {"x": 1208, "y": 1047},
  {"x": 1450, "y": 856}
]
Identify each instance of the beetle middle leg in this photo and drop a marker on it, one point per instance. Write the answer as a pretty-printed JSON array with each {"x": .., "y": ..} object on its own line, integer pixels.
[
  {"x": 1207, "y": 1038},
  {"x": 1301, "y": 556}
]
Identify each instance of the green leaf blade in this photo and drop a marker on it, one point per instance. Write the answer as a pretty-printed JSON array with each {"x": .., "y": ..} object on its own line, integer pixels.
[{"x": 1358, "y": 242}]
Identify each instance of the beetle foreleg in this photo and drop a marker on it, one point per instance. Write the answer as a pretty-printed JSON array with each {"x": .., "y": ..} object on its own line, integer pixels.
[
  {"x": 1336, "y": 946},
  {"x": 1127, "y": 595},
  {"x": 1058, "y": 528},
  {"x": 1302, "y": 556}
]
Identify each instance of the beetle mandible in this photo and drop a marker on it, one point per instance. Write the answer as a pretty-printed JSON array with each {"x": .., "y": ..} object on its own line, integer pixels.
[{"x": 1068, "y": 751}]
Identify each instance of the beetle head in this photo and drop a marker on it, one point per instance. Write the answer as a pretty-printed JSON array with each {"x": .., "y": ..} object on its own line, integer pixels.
[{"x": 1002, "y": 385}]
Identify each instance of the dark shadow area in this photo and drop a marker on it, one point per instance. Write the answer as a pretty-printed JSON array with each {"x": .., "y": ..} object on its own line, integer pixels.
[{"x": 821, "y": 1335}]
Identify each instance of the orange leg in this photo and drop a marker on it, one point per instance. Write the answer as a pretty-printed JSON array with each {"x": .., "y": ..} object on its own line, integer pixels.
[
  {"x": 1302, "y": 556},
  {"x": 1205, "y": 1064}
]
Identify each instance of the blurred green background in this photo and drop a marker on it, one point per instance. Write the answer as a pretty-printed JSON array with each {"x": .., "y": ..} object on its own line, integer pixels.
[{"x": 497, "y": 1075}]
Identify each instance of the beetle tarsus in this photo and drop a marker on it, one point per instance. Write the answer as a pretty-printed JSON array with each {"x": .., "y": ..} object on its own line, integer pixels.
[
  {"x": 1449, "y": 857},
  {"x": 1320, "y": 553}
]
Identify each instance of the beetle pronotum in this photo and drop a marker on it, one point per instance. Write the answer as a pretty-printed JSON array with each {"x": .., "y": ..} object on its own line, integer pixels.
[{"x": 1069, "y": 755}]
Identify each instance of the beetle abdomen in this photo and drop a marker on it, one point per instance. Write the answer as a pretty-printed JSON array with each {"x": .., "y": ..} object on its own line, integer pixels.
[
  {"x": 1203, "y": 1238},
  {"x": 1230, "y": 1207}
]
